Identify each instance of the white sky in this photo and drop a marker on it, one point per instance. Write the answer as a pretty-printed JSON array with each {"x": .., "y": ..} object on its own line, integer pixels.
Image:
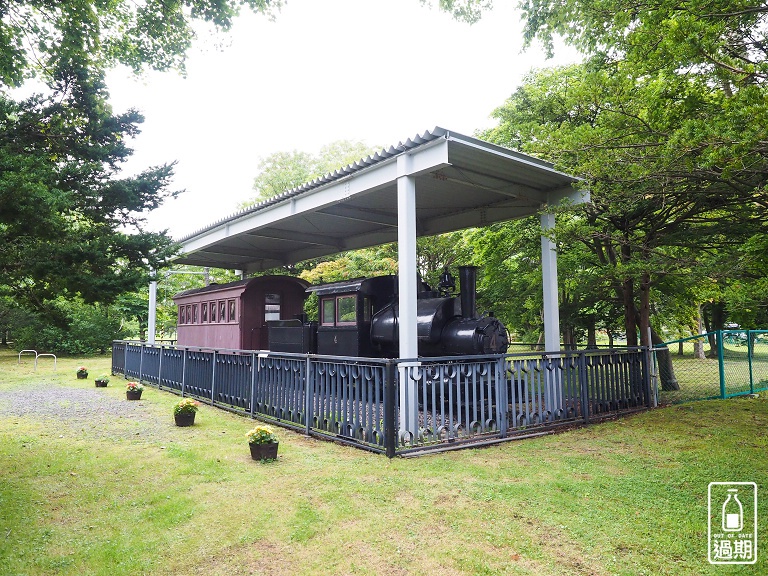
[{"x": 361, "y": 70}]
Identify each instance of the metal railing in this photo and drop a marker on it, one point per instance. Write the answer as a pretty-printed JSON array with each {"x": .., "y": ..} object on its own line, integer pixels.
[{"x": 400, "y": 407}]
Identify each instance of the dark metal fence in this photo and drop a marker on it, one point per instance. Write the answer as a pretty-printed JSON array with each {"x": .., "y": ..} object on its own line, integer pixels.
[
  {"x": 729, "y": 363},
  {"x": 401, "y": 407}
]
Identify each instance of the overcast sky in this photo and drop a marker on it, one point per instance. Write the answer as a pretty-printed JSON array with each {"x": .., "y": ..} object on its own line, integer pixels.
[{"x": 376, "y": 72}]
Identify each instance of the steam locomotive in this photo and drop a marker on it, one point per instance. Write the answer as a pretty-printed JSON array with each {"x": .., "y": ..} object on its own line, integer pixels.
[{"x": 360, "y": 318}]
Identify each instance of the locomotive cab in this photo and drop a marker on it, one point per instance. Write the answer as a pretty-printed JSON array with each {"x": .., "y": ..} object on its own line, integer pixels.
[{"x": 345, "y": 312}]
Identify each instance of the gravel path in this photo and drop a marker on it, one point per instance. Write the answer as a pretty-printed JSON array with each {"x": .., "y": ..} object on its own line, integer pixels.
[{"x": 80, "y": 410}]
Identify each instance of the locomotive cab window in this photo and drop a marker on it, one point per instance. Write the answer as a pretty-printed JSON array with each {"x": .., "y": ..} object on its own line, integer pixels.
[
  {"x": 338, "y": 311},
  {"x": 346, "y": 310},
  {"x": 328, "y": 312}
]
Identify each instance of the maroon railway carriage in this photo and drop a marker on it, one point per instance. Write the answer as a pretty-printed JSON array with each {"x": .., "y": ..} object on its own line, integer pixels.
[{"x": 235, "y": 315}]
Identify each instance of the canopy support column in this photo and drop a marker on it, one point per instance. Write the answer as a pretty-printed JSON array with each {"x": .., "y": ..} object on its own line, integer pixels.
[
  {"x": 407, "y": 284},
  {"x": 549, "y": 277},
  {"x": 553, "y": 384},
  {"x": 152, "y": 313}
]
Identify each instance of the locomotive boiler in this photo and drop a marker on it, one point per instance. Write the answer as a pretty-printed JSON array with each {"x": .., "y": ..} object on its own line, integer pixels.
[{"x": 360, "y": 318}]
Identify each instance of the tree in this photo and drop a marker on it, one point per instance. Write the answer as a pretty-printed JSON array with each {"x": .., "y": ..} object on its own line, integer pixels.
[
  {"x": 283, "y": 171},
  {"x": 719, "y": 40},
  {"x": 655, "y": 204},
  {"x": 66, "y": 216},
  {"x": 469, "y": 11},
  {"x": 60, "y": 41},
  {"x": 70, "y": 225}
]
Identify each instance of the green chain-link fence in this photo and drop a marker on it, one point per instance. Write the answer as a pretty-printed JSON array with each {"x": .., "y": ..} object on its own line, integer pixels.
[{"x": 728, "y": 363}]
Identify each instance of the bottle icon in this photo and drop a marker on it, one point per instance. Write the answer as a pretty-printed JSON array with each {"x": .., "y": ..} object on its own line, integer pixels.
[{"x": 733, "y": 512}]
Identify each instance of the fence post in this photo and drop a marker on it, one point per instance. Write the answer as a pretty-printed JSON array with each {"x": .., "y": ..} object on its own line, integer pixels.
[
  {"x": 750, "y": 349},
  {"x": 390, "y": 416},
  {"x": 254, "y": 368},
  {"x": 184, "y": 373},
  {"x": 584, "y": 386},
  {"x": 125, "y": 360},
  {"x": 141, "y": 361},
  {"x": 721, "y": 362},
  {"x": 647, "y": 375},
  {"x": 309, "y": 390},
  {"x": 502, "y": 396},
  {"x": 160, "y": 370},
  {"x": 213, "y": 378}
]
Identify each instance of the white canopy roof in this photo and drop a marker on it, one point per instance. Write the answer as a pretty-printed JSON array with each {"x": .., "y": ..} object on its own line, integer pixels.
[{"x": 461, "y": 182}]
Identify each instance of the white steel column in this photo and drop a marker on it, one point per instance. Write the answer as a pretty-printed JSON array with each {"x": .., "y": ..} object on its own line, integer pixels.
[
  {"x": 151, "y": 317},
  {"x": 549, "y": 276},
  {"x": 406, "y": 254}
]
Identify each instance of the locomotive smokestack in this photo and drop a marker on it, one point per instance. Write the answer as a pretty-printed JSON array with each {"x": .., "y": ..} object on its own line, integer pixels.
[{"x": 468, "y": 280}]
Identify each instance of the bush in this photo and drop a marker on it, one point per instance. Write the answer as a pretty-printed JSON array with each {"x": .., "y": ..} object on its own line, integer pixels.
[{"x": 86, "y": 329}]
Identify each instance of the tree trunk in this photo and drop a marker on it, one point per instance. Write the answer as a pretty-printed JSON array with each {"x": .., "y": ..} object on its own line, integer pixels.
[
  {"x": 568, "y": 337},
  {"x": 714, "y": 319},
  {"x": 591, "y": 335},
  {"x": 630, "y": 324},
  {"x": 645, "y": 308},
  {"x": 666, "y": 368},
  {"x": 680, "y": 348},
  {"x": 698, "y": 345}
]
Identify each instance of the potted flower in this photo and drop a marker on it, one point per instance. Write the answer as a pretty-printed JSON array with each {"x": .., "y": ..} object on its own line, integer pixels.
[
  {"x": 102, "y": 381},
  {"x": 82, "y": 373},
  {"x": 262, "y": 442},
  {"x": 133, "y": 390},
  {"x": 184, "y": 412}
]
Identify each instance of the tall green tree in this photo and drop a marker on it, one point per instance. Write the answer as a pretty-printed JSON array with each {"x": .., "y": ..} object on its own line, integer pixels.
[
  {"x": 59, "y": 40},
  {"x": 644, "y": 145},
  {"x": 282, "y": 171},
  {"x": 71, "y": 225}
]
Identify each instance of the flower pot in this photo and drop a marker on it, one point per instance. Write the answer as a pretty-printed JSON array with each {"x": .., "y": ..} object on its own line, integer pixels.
[
  {"x": 185, "y": 418},
  {"x": 101, "y": 383},
  {"x": 82, "y": 375},
  {"x": 264, "y": 451},
  {"x": 133, "y": 394}
]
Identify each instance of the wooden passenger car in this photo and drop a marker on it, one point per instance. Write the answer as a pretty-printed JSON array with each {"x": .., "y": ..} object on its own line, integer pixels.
[{"x": 235, "y": 315}]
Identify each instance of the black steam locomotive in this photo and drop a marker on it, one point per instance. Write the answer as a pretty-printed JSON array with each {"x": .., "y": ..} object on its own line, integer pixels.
[{"x": 360, "y": 318}]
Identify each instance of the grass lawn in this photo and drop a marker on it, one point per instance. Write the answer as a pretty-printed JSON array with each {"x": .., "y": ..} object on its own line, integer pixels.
[{"x": 126, "y": 492}]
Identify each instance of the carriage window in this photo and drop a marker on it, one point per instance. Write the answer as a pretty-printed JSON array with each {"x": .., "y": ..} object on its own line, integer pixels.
[
  {"x": 271, "y": 307},
  {"x": 182, "y": 315},
  {"x": 345, "y": 310},
  {"x": 222, "y": 311},
  {"x": 194, "y": 313},
  {"x": 189, "y": 314},
  {"x": 232, "y": 310},
  {"x": 204, "y": 312},
  {"x": 328, "y": 312},
  {"x": 213, "y": 311}
]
